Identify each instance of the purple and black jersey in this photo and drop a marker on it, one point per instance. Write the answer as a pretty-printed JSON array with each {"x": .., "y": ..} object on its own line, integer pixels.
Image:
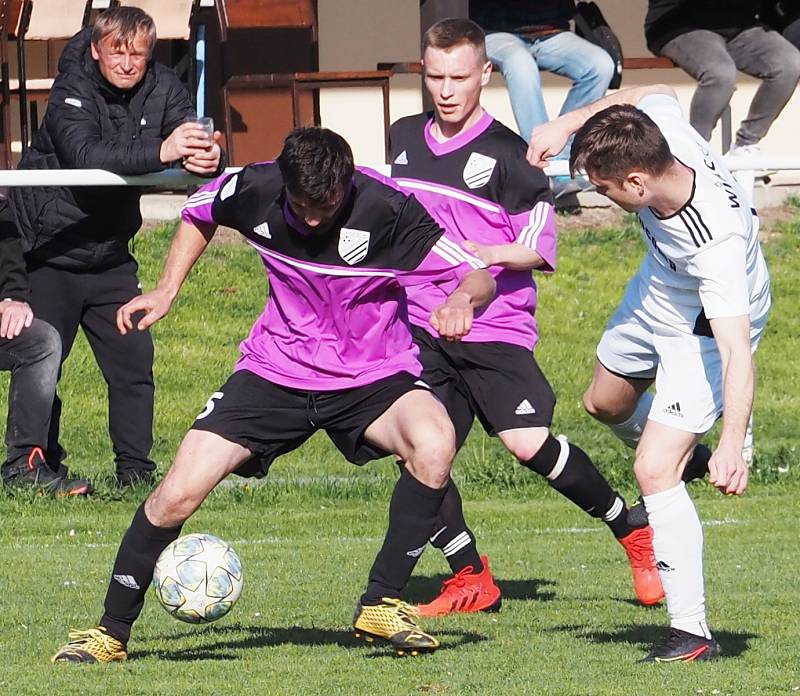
[
  {"x": 337, "y": 314},
  {"x": 480, "y": 187}
]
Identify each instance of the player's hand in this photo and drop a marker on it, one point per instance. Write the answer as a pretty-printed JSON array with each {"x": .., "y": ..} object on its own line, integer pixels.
[
  {"x": 488, "y": 253},
  {"x": 155, "y": 305},
  {"x": 728, "y": 471},
  {"x": 547, "y": 141},
  {"x": 186, "y": 140},
  {"x": 14, "y": 316},
  {"x": 453, "y": 320},
  {"x": 205, "y": 162}
]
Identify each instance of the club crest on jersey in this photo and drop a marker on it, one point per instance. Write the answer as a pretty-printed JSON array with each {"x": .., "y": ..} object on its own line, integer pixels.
[
  {"x": 353, "y": 245},
  {"x": 478, "y": 170}
]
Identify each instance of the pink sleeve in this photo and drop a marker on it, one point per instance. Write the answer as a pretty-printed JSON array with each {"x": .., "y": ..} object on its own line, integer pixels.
[
  {"x": 445, "y": 264},
  {"x": 536, "y": 229},
  {"x": 197, "y": 209}
]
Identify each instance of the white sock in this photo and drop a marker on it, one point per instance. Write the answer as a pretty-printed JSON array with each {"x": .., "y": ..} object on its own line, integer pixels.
[
  {"x": 631, "y": 430},
  {"x": 678, "y": 546}
]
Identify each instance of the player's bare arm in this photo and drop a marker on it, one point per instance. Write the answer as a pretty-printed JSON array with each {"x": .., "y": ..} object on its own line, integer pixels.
[
  {"x": 728, "y": 470},
  {"x": 515, "y": 257},
  {"x": 550, "y": 138},
  {"x": 453, "y": 319},
  {"x": 187, "y": 246}
]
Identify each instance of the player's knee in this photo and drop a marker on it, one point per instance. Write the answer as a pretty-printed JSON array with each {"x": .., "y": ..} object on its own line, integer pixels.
[
  {"x": 432, "y": 454},
  {"x": 525, "y": 445},
  {"x": 599, "y": 408},
  {"x": 169, "y": 507},
  {"x": 653, "y": 473}
]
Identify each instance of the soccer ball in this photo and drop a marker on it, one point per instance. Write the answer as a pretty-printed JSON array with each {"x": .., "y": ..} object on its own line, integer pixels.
[{"x": 198, "y": 578}]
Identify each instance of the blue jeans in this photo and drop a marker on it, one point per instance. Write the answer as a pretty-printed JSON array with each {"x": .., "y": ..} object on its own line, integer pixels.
[{"x": 520, "y": 59}]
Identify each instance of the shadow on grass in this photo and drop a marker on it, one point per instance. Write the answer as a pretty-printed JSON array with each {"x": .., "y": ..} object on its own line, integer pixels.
[
  {"x": 732, "y": 643},
  {"x": 225, "y": 642},
  {"x": 422, "y": 588}
]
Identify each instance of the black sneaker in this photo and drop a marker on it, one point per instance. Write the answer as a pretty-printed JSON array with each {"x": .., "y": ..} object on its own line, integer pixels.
[
  {"x": 682, "y": 646},
  {"x": 127, "y": 478},
  {"x": 34, "y": 472},
  {"x": 697, "y": 466}
]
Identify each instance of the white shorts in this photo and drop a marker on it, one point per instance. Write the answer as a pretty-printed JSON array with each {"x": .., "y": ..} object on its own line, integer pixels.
[{"x": 687, "y": 368}]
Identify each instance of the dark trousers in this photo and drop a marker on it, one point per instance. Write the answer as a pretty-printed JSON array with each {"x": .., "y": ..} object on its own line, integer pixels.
[
  {"x": 67, "y": 300},
  {"x": 33, "y": 358}
]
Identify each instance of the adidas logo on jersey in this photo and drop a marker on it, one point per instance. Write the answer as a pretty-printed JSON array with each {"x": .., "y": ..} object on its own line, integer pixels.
[
  {"x": 525, "y": 408},
  {"x": 402, "y": 158},
  {"x": 127, "y": 581},
  {"x": 262, "y": 230},
  {"x": 674, "y": 410}
]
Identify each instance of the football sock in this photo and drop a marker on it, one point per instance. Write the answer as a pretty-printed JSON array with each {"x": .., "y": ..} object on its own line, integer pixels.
[
  {"x": 630, "y": 431},
  {"x": 413, "y": 510},
  {"x": 678, "y": 546},
  {"x": 569, "y": 470},
  {"x": 697, "y": 466},
  {"x": 133, "y": 572},
  {"x": 452, "y": 535}
]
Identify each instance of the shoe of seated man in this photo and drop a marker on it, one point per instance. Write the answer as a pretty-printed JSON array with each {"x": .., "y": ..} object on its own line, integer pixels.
[
  {"x": 394, "y": 622},
  {"x": 563, "y": 186},
  {"x": 682, "y": 646},
  {"x": 749, "y": 151},
  {"x": 467, "y": 592},
  {"x": 92, "y": 646},
  {"x": 32, "y": 472}
]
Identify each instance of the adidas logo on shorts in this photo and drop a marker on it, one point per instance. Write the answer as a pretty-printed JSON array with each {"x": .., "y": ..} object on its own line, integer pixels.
[
  {"x": 674, "y": 410},
  {"x": 525, "y": 408}
]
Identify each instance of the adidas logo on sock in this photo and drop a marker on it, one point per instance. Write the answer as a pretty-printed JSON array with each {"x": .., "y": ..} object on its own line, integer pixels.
[
  {"x": 402, "y": 158},
  {"x": 664, "y": 567},
  {"x": 674, "y": 410},
  {"x": 416, "y": 553},
  {"x": 127, "y": 581},
  {"x": 525, "y": 408}
]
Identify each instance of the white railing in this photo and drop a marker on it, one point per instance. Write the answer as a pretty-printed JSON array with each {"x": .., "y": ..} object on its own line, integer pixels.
[{"x": 743, "y": 168}]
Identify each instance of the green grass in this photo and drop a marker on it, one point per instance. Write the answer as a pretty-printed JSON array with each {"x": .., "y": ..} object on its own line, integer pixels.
[{"x": 307, "y": 535}]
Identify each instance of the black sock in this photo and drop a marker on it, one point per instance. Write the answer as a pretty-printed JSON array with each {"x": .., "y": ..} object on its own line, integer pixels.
[
  {"x": 133, "y": 572},
  {"x": 452, "y": 535},
  {"x": 413, "y": 510},
  {"x": 577, "y": 479}
]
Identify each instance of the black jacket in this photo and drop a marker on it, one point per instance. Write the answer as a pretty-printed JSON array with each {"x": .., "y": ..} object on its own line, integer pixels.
[
  {"x": 667, "y": 19},
  {"x": 89, "y": 124},
  {"x": 13, "y": 277}
]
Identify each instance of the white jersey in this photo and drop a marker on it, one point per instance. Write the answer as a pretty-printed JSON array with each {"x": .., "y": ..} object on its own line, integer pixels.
[{"x": 704, "y": 261}]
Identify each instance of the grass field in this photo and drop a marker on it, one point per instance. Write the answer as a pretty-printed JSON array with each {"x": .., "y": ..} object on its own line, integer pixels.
[{"x": 307, "y": 534}]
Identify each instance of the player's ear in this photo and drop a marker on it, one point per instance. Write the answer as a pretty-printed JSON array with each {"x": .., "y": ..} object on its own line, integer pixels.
[
  {"x": 637, "y": 181},
  {"x": 486, "y": 73}
]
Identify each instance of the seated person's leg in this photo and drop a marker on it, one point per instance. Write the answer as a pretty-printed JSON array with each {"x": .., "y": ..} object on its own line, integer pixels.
[
  {"x": 769, "y": 56},
  {"x": 588, "y": 66},
  {"x": 704, "y": 55},
  {"x": 512, "y": 57}
]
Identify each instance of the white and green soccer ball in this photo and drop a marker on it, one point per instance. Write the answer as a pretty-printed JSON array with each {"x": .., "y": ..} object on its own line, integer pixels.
[{"x": 198, "y": 578}]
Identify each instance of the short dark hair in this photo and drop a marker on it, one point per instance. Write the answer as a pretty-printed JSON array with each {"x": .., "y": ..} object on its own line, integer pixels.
[
  {"x": 122, "y": 24},
  {"x": 617, "y": 141},
  {"x": 315, "y": 164},
  {"x": 453, "y": 32}
]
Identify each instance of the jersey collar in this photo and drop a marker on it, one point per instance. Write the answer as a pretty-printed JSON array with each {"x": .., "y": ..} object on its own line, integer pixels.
[{"x": 458, "y": 141}]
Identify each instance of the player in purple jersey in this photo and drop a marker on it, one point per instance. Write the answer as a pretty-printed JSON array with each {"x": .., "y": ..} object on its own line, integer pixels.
[
  {"x": 471, "y": 174},
  {"x": 688, "y": 324},
  {"x": 332, "y": 350}
]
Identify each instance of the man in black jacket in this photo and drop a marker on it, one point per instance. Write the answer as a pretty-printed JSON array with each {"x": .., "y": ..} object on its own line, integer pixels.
[
  {"x": 31, "y": 350},
  {"x": 111, "y": 107}
]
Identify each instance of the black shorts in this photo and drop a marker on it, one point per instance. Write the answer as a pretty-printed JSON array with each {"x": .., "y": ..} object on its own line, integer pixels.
[
  {"x": 271, "y": 420},
  {"x": 500, "y": 383}
]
